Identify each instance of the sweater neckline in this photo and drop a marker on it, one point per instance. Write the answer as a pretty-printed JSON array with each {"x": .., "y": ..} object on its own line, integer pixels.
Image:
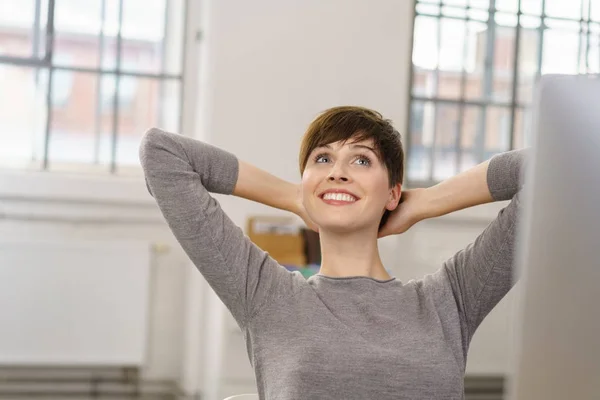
[{"x": 357, "y": 277}]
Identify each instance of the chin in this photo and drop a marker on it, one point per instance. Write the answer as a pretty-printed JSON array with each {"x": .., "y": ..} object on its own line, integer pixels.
[
  {"x": 349, "y": 226},
  {"x": 342, "y": 221}
]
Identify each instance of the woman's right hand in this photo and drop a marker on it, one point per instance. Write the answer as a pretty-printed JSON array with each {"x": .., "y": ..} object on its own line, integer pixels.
[{"x": 300, "y": 211}]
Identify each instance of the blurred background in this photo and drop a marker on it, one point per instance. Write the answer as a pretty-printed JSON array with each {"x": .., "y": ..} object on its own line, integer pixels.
[{"x": 98, "y": 297}]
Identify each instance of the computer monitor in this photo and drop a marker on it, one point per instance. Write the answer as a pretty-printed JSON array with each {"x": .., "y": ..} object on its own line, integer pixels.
[{"x": 557, "y": 333}]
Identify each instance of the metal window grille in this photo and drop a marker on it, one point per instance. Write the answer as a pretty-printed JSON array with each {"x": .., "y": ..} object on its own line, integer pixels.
[
  {"x": 110, "y": 55},
  {"x": 473, "y": 72}
]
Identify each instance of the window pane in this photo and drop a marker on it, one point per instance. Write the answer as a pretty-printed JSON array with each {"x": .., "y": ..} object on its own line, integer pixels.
[
  {"x": 564, "y": 9},
  {"x": 475, "y": 59},
  {"x": 583, "y": 50},
  {"x": 504, "y": 50},
  {"x": 170, "y": 105},
  {"x": 470, "y": 132},
  {"x": 445, "y": 157},
  {"x": 507, "y": 5},
  {"x": 106, "y": 117},
  {"x": 454, "y": 12},
  {"x": 174, "y": 38},
  {"x": 480, "y": 3},
  {"x": 425, "y": 57},
  {"x": 473, "y": 141},
  {"x": 76, "y": 132},
  {"x": 461, "y": 3},
  {"x": 497, "y": 131},
  {"x": 145, "y": 103},
  {"x": 451, "y": 57},
  {"x": 523, "y": 128},
  {"x": 499, "y": 77},
  {"x": 560, "y": 52},
  {"x": 16, "y": 28},
  {"x": 424, "y": 82},
  {"x": 421, "y": 133},
  {"x": 478, "y": 15},
  {"x": 594, "y": 55},
  {"x": 77, "y": 25},
  {"x": 505, "y": 19},
  {"x": 143, "y": 31},
  {"x": 150, "y": 45},
  {"x": 533, "y": 7},
  {"x": 449, "y": 84},
  {"x": 452, "y": 44},
  {"x": 425, "y": 47},
  {"x": 22, "y": 116},
  {"x": 595, "y": 11},
  {"x": 529, "y": 23},
  {"x": 560, "y": 24},
  {"x": 432, "y": 9},
  {"x": 528, "y": 64}
]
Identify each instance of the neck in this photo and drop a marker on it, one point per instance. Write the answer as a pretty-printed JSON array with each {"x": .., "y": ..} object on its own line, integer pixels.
[{"x": 351, "y": 254}]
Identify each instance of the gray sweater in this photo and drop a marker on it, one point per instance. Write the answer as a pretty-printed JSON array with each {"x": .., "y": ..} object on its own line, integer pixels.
[{"x": 334, "y": 338}]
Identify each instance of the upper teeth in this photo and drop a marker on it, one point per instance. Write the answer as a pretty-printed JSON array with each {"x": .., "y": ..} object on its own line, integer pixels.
[{"x": 338, "y": 196}]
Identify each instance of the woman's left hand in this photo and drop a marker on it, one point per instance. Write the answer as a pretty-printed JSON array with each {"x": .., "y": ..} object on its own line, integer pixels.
[{"x": 410, "y": 210}]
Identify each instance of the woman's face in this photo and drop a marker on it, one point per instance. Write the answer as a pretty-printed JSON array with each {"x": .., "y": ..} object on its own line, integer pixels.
[{"x": 346, "y": 188}]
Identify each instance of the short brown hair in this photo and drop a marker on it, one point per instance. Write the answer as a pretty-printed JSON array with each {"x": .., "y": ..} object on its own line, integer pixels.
[{"x": 357, "y": 123}]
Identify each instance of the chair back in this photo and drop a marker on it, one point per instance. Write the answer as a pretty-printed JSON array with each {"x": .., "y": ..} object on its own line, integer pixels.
[{"x": 253, "y": 396}]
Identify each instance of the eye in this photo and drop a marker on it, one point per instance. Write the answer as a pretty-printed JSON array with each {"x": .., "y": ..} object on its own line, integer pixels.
[
  {"x": 321, "y": 158},
  {"x": 364, "y": 160}
]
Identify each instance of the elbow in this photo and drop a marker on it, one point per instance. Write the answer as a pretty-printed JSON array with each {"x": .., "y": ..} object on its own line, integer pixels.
[
  {"x": 147, "y": 153},
  {"x": 149, "y": 145}
]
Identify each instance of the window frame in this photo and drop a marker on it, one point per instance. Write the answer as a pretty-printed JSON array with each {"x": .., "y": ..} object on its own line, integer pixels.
[
  {"x": 47, "y": 62},
  {"x": 514, "y": 105}
]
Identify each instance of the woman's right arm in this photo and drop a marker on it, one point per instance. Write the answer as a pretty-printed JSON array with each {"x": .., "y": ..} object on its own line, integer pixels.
[{"x": 180, "y": 173}]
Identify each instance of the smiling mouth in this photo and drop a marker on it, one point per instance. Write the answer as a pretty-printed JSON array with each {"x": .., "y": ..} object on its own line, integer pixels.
[{"x": 338, "y": 198}]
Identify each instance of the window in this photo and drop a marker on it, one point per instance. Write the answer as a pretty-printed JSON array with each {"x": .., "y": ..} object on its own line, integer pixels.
[
  {"x": 127, "y": 92},
  {"x": 474, "y": 66},
  {"x": 87, "y": 79},
  {"x": 62, "y": 83}
]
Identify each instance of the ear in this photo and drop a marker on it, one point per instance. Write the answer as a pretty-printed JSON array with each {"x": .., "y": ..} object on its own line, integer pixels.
[{"x": 394, "y": 198}]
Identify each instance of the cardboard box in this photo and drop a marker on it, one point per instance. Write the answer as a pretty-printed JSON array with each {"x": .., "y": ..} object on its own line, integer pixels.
[{"x": 281, "y": 237}]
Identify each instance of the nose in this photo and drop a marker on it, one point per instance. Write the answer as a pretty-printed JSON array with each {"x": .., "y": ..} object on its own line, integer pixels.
[{"x": 337, "y": 174}]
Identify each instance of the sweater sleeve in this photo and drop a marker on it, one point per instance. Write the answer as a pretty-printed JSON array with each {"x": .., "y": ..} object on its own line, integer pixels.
[
  {"x": 481, "y": 274},
  {"x": 180, "y": 173}
]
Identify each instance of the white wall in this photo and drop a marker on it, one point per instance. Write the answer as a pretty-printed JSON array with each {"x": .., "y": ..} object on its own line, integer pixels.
[
  {"x": 24, "y": 216},
  {"x": 272, "y": 65}
]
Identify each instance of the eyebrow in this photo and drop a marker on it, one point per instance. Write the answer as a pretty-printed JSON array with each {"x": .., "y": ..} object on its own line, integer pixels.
[{"x": 353, "y": 146}]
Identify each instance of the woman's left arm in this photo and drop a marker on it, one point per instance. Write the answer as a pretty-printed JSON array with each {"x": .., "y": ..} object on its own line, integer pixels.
[
  {"x": 482, "y": 273},
  {"x": 497, "y": 179}
]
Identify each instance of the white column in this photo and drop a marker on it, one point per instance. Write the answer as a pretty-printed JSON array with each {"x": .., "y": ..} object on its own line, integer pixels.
[{"x": 196, "y": 287}]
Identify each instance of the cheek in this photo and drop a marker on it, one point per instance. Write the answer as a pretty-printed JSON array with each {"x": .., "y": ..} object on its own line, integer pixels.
[
  {"x": 311, "y": 178},
  {"x": 309, "y": 184},
  {"x": 380, "y": 189}
]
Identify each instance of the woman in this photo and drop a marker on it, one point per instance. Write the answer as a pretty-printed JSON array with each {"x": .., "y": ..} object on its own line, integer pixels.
[{"x": 351, "y": 331}]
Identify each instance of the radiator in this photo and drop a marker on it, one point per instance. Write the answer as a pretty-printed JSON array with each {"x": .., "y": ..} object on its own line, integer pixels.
[{"x": 74, "y": 303}]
